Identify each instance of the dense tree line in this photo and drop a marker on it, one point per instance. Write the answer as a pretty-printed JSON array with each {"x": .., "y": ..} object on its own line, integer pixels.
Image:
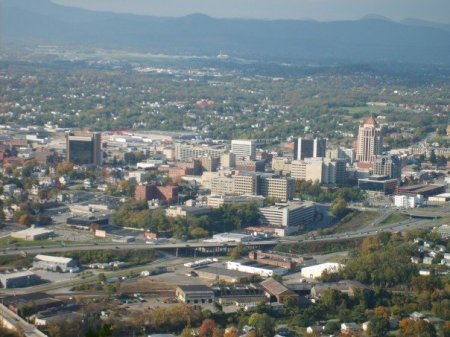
[
  {"x": 313, "y": 190},
  {"x": 226, "y": 218}
]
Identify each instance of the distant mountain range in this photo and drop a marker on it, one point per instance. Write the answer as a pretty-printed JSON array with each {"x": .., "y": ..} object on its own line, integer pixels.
[{"x": 371, "y": 39}]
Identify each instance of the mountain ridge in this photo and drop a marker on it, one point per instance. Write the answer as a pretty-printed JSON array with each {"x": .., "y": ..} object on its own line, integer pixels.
[{"x": 372, "y": 39}]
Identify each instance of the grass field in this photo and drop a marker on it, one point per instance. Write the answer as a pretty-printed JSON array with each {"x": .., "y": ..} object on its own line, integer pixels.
[
  {"x": 9, "y": 242},
  {"x": 393, "y": 218},
  {"x": 366, "y": 108},
  {"x": 356, "y": 220}
]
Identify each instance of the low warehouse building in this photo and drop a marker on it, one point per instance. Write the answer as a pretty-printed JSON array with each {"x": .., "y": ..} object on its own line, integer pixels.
[
  {"x": 439, "y": 199},
  {"x": 31, "y": 234},
  {"x": 239, "y": 295},
  {"x": 316, "y": 271},
  {"x": 253, "y": 267},
  {"x": 276, "y": 290},
  {"x": 230, "y": 237},
  {"x": 195, "y": 294},
  {"x": 55, "y": 263},
  {"x": 19, "y": 279},
  {"x": 216, "y": 274}
]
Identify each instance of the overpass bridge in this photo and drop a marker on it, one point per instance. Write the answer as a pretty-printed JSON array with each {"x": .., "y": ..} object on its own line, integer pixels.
[{"x": 177, "y": 249}]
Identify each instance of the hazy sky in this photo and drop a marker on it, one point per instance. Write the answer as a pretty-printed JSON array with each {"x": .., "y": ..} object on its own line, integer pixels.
[{"x": 433, "y": 10}]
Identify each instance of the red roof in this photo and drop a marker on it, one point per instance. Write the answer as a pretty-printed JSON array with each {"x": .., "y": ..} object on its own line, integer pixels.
[{"x": 371, "y": 121}]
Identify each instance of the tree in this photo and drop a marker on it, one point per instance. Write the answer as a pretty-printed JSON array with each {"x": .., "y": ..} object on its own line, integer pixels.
[
  {"x": 231, "y": 332},
  {"x": 331, "y": 327},
  {"x": 101, "y": 278},
  {"x": 433, "y": 158},
  {"x": 25, "y": 219},
  {"x": 416, "y": 328},
  {"x": 263, "y": 324},
  {"x": 65, "y": 168},
  {"x": 207, "y": 328},
  {"x": 339, "y": 208},
  {"x": 199, "y": 233},
  {"x": 378, "y": 326},
  {"x": 105, "y": 331},
  {"x": 187, "y": 332},
  {"x": 238, "y": 251}
]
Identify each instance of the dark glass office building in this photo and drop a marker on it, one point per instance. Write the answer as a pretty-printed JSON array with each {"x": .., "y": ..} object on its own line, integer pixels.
[{"x": 84, "y": 149}]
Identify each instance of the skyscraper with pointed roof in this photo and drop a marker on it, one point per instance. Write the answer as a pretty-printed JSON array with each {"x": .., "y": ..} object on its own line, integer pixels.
[{"x": 370, "y": 143}]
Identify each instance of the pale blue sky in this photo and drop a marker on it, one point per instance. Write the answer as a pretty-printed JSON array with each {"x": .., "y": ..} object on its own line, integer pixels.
[{"x": 323, "y": 10}]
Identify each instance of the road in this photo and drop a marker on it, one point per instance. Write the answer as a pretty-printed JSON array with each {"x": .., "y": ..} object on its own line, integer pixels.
[
  {"x": 166, "y": 261},
  {"x": 113, "y": 246},
  {"x": 13, "y": 320}
]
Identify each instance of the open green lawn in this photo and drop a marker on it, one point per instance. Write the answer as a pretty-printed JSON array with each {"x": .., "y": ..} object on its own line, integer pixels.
[
  {"x": 393, "y": 218},
  {"x": 8, "y": 242},
  {"x": 356, "y": 220},
  {"x": 366, "y": 108}
]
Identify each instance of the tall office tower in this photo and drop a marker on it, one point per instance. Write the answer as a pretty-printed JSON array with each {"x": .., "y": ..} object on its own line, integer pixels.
[
  {"x": 210, "y": 164},
  {"x": 319, "y": 147},
  {"x": 228, "y": 160},
  {"x": 390, "y": 166},
  {"x": 243, "y": 148},
  {"x": 309, "y": 148},
  {"x": 303, "y": 148},
  {"x": 369, "y": 143},
  {"x": 84, "y": 148}
]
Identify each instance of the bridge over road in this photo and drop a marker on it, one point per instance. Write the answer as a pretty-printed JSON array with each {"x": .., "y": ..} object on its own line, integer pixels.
[{"x": 183, "y": 248}]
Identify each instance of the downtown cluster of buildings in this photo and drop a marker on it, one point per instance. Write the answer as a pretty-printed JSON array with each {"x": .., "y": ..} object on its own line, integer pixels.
[{"x": 168, "y": 168}]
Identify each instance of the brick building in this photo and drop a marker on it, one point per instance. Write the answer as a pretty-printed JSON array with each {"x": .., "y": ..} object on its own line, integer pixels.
[{"x": 163, "y": 193}]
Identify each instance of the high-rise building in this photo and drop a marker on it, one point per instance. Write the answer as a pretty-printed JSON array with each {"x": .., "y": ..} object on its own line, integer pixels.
[
  {"x": 319, "y": 147},
  {"x": 390, "y": 166},
  {"x": 222, "y": 185},
  {"x": 246, "y": 184},
  {"x": 228, "y": 160},
  {"x": 323, "y": 170},
  {"x": 303, "y": 148},
  {"x": 210, "y": 164},
  {"x": 84, "y": 149},
  {"x": 309, "y": 148},
  {"x": 243, "y": 149},
  {"x": 185, "y": 152},
  {"x": 278, "y": 188},
  {"x": 369, "y": 143}
]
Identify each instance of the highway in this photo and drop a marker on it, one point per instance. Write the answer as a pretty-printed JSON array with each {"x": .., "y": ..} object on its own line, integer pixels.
[
  {"x": 112, "y": 246},
  {"x": 10, "y": 319},
  {"x": 166, "y": 261}
]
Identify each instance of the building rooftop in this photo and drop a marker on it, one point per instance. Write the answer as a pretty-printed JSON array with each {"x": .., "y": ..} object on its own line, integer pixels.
[
  {"x": 222, "y": 271},
  {"x": 195, "y": 288},
  {"x": 16, "y": 274},
  {"x": 33, "y": 232},
  {"x": 370, "y": 121},
  {"x": 256, "y": 264},
  {"x": 56, "y": 259},
  {"x": 274, "y": 287},
  {"x": 443, "y": 195}
]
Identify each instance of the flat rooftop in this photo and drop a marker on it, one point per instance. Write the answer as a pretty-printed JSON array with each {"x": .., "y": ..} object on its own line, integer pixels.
[
  {"x": 256, "y": 264},
  {"x": 218, "y": 270},
  {"x": 195, "y": 288}
]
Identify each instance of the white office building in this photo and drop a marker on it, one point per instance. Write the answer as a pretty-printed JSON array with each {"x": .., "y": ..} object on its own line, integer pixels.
[
  {"x": 316, "y": 271},
  {"x": 243, "y": 148},
  {"x": 253, "y": 267},
  {"x": 404, "y": 201},
  {"x": 293, "y": 214}
]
